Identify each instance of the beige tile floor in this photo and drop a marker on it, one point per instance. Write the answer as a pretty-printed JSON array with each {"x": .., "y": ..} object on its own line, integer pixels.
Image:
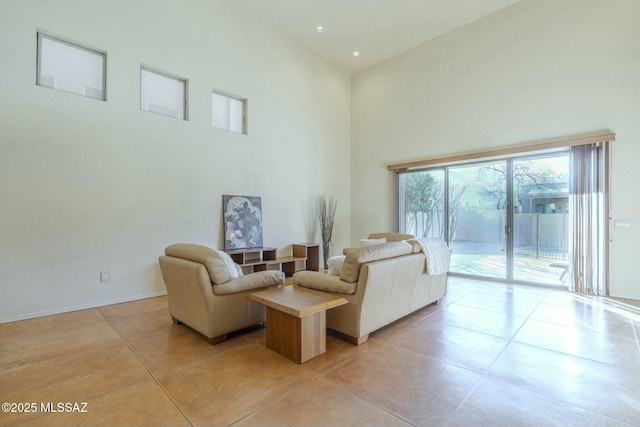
[{"x": 490, "y": 355}]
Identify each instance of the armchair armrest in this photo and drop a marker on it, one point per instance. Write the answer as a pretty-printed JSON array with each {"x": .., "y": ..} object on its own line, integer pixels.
[
  {"x": 260, "y": 279},
  {"x": 323, "y": 282}
]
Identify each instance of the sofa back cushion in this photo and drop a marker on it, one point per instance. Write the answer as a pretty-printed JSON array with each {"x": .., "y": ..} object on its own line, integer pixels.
[
  {"x": 357, "y": 256},
  {"x": 391, "y": 237},
  {"x": 371, "y": 242},
  {"x": 219, "y": 264}
]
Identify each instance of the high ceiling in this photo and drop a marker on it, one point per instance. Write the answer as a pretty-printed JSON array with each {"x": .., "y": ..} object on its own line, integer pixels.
[{"x": 378, "y": 29}]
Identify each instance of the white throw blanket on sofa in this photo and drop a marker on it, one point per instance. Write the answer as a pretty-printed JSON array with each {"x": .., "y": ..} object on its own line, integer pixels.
[{"x": 437, "y": 254}]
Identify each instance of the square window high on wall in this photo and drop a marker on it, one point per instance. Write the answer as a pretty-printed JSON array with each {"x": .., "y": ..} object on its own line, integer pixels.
[
  {"x": 229, "y": 112},
  {"x": 70, "y": 67},
  {"x": 163, "y": 93}
]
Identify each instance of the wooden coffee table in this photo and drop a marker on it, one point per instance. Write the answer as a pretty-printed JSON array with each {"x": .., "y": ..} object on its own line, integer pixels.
[{"x": 297, "y": 320}]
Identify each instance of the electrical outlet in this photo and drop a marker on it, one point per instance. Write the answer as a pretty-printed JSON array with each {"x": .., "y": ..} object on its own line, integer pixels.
[{"x": 105, "y": 276}]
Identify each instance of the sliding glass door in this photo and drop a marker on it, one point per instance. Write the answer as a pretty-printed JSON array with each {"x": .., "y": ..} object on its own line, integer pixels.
[
  {"x": 476, "y": 213},
  {"x": 540, "y": 219},
  {"x": 504, "y": 219}
]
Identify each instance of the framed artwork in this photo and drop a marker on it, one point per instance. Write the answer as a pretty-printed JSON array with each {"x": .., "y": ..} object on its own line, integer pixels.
[{"x": 242, "y": 222}]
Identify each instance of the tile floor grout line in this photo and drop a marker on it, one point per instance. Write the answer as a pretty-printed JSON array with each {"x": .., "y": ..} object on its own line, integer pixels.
[
  {"x": 155, "y": 380},
  {"x": 553, "y": 397},
  {"x": 369, "y": 402},
  {"x": 146, "y": 368},
  {"x": 454, "y": 412},
  {"x": 271, "y": 402},
  {"x": 62, "y": 356},
  {"x": 512, "y": 339},
  {"x": 486, "y": 371},
  {"x": 569, "y": 354},
  {"x": 173, "y": 402},
  {"x": 176, "y": 405},
  {"x": 315, "y": 376}
]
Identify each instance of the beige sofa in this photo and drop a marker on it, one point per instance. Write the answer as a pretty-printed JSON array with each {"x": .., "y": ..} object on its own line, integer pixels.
[
  {"x": 382, "y": 283},
  {"x": 209, "y": 293}
]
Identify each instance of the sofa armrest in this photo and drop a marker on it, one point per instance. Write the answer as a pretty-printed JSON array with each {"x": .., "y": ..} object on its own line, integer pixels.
[
  {"x": 323, "y": 282},
  {"x": 260, "y": 279}
]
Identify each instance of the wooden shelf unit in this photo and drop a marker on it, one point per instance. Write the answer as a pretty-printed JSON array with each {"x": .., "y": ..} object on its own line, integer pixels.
[
  {"x": 310, "y": 251},
  {"x": 260, "y": 259}
]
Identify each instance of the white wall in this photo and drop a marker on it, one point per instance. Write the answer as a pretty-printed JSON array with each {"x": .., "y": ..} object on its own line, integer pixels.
[
  {"x": 538, "y": 69},
  {"x": 89, "y": 186}
]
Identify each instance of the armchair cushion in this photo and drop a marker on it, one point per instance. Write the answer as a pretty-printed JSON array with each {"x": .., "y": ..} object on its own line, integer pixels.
[
  {"x": 219, "y": 264},
  {"x": 259, "y": 279}
]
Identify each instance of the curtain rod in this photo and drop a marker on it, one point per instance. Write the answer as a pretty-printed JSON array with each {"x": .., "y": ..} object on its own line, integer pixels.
[{"x": 540, "y": 145}]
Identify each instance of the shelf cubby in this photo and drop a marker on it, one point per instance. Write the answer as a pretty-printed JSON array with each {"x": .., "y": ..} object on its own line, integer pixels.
[{"x": 261, "y": 259}]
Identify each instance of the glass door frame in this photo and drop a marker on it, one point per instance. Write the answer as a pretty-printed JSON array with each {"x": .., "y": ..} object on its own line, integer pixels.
[{"x": 508, "y": 227}]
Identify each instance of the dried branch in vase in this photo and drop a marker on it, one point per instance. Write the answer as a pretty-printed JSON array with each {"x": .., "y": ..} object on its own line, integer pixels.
[{"x": 326, "y": 212}]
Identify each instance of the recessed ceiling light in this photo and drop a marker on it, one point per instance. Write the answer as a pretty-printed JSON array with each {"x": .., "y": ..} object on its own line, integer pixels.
[
  {"x": 355, "y": 53},
  {"x": 320, "y": 28}
]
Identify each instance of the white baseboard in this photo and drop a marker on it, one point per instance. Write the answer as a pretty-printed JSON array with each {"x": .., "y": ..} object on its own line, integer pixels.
[{"x": 79, "y": 307}]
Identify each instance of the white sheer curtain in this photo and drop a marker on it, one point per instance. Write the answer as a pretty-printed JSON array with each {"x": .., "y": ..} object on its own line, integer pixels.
[{"x": 589, "y": 218}]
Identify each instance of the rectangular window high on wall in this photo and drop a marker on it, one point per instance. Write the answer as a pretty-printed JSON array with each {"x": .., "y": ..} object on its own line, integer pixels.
[
  {"x": 70, "y": 67},
  {"x": 163, "y": 93},
  {"x": 229, "y": 112}
]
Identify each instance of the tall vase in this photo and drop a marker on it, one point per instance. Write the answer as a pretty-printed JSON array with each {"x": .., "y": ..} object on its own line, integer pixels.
[{"x": 326, "y": 252}]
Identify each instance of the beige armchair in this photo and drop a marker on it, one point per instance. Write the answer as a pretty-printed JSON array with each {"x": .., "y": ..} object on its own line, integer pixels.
[{"x": 208, "y": 292}]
